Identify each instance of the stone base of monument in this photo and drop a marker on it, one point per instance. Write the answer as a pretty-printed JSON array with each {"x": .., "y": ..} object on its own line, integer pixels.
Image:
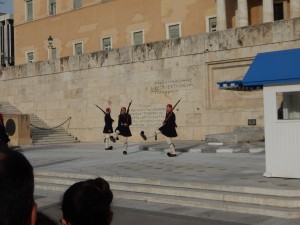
[
  {"x": 239, "y": 135},
  {"x": 18, "y": 129}
]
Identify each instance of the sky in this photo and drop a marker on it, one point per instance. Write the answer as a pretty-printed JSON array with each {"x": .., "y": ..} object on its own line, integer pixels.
[{"x": 7, "y": 7}]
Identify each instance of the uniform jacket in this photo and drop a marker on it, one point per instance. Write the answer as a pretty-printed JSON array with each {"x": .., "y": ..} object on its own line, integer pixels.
[
  {"x": 108, "y": 124},
  {"x": 169, "y": 127},
  {"x": 124, "y": 130}
]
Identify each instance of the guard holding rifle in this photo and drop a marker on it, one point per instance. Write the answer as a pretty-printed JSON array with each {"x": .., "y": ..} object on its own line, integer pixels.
[
  {"x": 168, "y": 129},
  {"x": 108, "y": 129},
  {"x": 123, "y": 127}
]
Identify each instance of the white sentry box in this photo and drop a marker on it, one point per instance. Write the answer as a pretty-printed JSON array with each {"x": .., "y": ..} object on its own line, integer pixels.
[{"x": 282, "y": 136}]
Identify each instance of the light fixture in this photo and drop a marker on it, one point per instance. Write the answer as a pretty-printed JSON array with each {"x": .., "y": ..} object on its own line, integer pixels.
[{"x": 50, "y": 41}]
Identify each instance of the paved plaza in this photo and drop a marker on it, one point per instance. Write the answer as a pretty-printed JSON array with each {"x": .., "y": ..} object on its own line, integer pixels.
[{"x": 238, "y": 169}]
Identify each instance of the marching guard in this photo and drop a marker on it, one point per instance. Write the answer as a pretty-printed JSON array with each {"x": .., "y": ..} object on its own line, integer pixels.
[
  {"x": 168, "y": 129},
  {"x": 108, "y": 129},
  {"x": 123, "y": 127}
]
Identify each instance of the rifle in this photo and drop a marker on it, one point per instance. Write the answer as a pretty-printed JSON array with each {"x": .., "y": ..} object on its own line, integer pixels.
[
  {"x": 128, "y": 110},
  {"x": 129, "y": 106},
  {"x": 101, "y": 109}
]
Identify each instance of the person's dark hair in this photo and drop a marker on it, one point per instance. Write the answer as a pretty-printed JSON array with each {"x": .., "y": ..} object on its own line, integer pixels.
[
  {"x": 16, "y": 188},
  {"x": 88, "y": 203},
  {"x": 43, "y": 219}
]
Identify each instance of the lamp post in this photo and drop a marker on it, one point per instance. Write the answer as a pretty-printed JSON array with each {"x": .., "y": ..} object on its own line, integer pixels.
[
  {"x": 50, "y": 42},
  {"x": 50, "y": 46}
]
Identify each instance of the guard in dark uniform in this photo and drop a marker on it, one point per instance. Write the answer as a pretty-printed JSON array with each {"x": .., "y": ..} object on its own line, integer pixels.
[
  {"x": 108, "y": 129},
  {"x": 168, "y": 129},
  {"x": 4, "y": 139},
  {"x": 123, "y": 128}
]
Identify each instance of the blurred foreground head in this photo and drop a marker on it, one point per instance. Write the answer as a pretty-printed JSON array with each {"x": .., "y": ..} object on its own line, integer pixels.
[
  {"x": 88, "y": 203},
  {"x": 17, "y": 206}
]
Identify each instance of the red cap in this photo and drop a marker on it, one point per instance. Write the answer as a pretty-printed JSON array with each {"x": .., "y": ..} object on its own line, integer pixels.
[
  {"x": 107, "y": 110},
  {"x": 170, "y": 106}
]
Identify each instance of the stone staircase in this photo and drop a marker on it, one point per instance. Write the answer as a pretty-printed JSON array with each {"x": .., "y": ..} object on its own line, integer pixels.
[
  {"x": 239, "y": 135},
  {"x": 41, "y": 133},
  {"x": 251, "y": 200}
]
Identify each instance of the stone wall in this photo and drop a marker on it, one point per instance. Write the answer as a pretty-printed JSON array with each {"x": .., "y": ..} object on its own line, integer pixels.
[{"x": 151, "y": 75}]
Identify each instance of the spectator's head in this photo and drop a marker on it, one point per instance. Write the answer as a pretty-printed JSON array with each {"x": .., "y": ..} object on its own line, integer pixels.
[
  {"x": 17, "y": 206},
  {"x": 43, "y": 219},
  {"x": 87, "y": 203}
]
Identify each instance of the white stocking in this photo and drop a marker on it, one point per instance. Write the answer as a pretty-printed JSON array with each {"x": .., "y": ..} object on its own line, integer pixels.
[
  {"x": 106, "y": 140},
  {"x": 171, "y": 145}
]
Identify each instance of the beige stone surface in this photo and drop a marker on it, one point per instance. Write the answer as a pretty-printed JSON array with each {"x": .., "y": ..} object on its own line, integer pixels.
[
  {"x": 151, "y": 75},
  {"x": 20, "y": 134}
]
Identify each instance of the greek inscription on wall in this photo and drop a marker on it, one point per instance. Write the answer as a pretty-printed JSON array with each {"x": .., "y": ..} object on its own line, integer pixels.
[
  {"x": 171, "y": 86},
  {"x": 145, "y": 116}
]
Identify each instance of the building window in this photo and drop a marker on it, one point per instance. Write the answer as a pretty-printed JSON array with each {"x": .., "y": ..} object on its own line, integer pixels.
[
  {"x": 53, "y": 53},
  {"x": 138, "y": 38},
  {"x": 29, "y": 10},
  {"x": 30, "y": 57},
  {"x": 78, "y": 48},
  {"x": 52, "y": 7},
  {"x": 211, "y": 24},
  {"x": 173, "y": 31},
  {"x": 106, "y": 43},
  {"x": 77, "y": 4},
  {"x": 278, "y": 11},
  {"x": 288, "y": 105}
]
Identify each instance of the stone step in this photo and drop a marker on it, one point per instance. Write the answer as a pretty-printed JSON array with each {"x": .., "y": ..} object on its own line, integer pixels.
[
  {"x": 54, "y": 138},
  {"x": 53, "y": 134},
  {"x": 41, "y": 136},
  {"x": 43, "y": 131},
  {"x": 38, "y": 131},
  {"x": 50, "y": 187},
  {"x": 53, "y": 142},
  {"x": 248, "y": 129},
  {"x": 162, "y": 198},
  {"x": 188, "y": 192},
  {"x": 186, "y": 184},
  {"x": 210, "y": 204},
  {"x": 234, "y": 138}
]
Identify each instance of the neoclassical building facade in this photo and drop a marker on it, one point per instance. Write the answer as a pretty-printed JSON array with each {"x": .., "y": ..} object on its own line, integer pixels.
[{"x": 85, "y": 26}]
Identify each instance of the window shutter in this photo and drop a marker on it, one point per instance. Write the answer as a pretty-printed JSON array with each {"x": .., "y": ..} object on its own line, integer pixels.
[
  {"x": 78, "y": 49},
  {"x": 53, "y": 53},
  {"x": 138, "y": 38},
  {"x": 106, "y": 43},
  {"x": 212, "y": 24},
  {"x": 77, "y": 4},
  {"x": 30, "y": 57},
  {"x": 52, "y": 7},
  {"x": 29, "y": 10},
  {"x": 174, "y": 31}
]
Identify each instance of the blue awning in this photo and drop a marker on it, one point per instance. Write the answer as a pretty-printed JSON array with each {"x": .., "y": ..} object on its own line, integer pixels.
[{"x": 280, "y": 67}]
